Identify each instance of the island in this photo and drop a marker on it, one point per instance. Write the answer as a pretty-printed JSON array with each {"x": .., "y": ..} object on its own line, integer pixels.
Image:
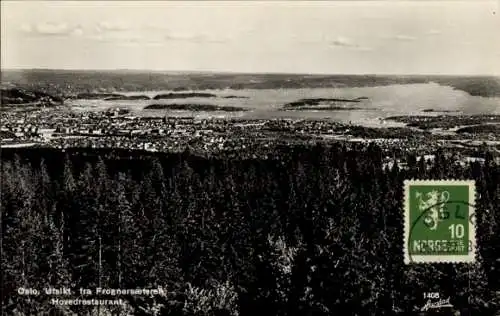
[
  {"x": 323, "y": 104},
  {"x": 128, "y": 97},
  {"x": 97, "y": 96},
  {"x": 184, "y": 95},
  {"x": 441, "y": 111},
  {"x": 321, "y": 101},
  {"x": 324, "y": 108},
  {"x": 194, "y": 107},
  {"x": 235, "y": 97},
  {"x": 481, "y": 129}
]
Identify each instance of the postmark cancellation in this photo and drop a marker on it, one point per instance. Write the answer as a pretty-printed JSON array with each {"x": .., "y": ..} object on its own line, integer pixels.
[{"x": 439, "y": 221}]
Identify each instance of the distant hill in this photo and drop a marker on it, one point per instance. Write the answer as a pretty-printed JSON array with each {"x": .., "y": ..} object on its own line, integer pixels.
[
  {"x": 476, "y": 86},
  {"x": 72, "y": 82},
  {"x": 17, "y": 96}
]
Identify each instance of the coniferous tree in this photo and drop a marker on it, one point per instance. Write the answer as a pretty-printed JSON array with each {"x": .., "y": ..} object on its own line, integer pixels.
[
  {"x": 87, "y": 243},
  {"x": 338, "y": 219}
]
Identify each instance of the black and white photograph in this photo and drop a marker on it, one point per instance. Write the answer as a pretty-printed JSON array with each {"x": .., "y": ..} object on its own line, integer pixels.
[{"x": 250, "y": 158}]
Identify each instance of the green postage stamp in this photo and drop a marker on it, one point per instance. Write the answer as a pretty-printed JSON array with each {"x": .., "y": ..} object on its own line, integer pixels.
[{"x": 439, "y": 222}]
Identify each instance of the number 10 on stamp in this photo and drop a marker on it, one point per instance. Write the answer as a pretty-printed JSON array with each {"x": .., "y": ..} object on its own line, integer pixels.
[{"x": 439, "y": 221}]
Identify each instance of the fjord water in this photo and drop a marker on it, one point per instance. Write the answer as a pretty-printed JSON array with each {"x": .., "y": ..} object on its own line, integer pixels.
[{"x": 379, "y": 102}]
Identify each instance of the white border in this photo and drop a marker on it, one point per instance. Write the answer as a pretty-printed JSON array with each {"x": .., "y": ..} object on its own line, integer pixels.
[{"x": 469, "y": 258}]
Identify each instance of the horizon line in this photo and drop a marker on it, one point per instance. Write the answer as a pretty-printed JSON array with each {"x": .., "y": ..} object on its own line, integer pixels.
[{"x": 222, "y": 72}]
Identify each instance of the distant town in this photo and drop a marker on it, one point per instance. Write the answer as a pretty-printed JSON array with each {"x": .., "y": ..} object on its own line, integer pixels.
[
  {"x": 57, "y": 127},
  {"x": 38, "y": 113}
]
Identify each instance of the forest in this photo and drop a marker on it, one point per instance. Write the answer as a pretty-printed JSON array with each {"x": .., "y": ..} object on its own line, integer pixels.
[{"x": 314, "y": 230}]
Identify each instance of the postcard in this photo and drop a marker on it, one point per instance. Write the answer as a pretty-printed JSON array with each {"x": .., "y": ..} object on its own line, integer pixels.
[{"x": 250, "y": 157}]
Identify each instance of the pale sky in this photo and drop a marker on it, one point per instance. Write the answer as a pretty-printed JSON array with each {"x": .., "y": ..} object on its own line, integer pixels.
[{"x": 336, "y": 37}]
